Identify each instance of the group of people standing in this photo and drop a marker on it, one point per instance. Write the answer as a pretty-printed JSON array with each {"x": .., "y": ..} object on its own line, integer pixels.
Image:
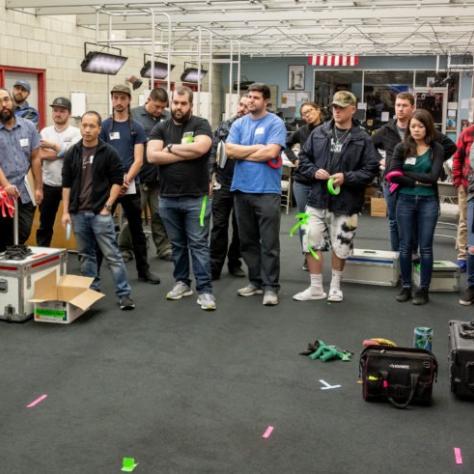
[{"x": 175, "y": 164}]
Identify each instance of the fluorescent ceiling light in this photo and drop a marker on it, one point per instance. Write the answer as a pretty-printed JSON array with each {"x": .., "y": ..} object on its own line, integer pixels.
[
  {"x": 102, "y": 63},
  {"x": 190, "y": 74},
  {"x": 161, "y": 70}
]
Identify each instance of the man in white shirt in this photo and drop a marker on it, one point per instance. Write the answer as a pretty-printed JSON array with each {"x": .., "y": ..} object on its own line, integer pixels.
[{"x": 55, "y": 141}]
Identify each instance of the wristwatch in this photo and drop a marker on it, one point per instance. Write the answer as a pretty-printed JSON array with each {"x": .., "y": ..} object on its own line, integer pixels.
[
  {"x": 108, "y": 207},
  {"x": 169, "y": 146}
]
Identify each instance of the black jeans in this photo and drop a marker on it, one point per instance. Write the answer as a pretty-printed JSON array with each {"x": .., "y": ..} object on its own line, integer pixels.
[
  {"x": 258, "y": 220},
  {"x": 26, "y": 213},
  {"x": 52, "y": 196},
  {"x": 222, "y": 205}
]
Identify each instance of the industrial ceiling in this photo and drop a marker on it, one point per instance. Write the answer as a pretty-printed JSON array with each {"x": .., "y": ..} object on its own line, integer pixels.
[{"x": 280, "y": 27}]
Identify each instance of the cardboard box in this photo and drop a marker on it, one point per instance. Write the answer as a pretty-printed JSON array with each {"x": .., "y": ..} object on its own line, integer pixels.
[
  {"x": 378, "y": 207},
  {"x": 64, "y": 300}
]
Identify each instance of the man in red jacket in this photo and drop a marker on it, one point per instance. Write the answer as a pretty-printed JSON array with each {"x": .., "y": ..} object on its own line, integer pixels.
[{"x": 461, "y": 170}]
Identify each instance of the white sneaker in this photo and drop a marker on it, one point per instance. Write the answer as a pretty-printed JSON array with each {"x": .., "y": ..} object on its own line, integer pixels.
[
  {"x": 270, "y": 298},
  {"x": 250, "y": 290},
  {"x": 179, "y": 290},
  {"x": 207, "y": 301},
  {"x": 310, "y": 294},
  {"x": 335, "y": 295}
]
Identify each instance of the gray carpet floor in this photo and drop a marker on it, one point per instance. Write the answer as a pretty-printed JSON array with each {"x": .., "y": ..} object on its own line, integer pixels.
[{"x": 187, "y": 391}]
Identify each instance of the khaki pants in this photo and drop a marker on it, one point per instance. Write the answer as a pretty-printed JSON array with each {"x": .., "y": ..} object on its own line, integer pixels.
[{"x": 461, "y": 240}]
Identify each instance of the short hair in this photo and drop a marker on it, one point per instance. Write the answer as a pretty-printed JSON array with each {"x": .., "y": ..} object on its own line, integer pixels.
[
  {"x": 96, "y": 114},
  {"x": 7, "y": 91},
  {"x": 262, "y": 88},
  {"x": 158, "y": 94},
  {"x": 406, "y": 96},
  {"x": 183, "y": 90}
]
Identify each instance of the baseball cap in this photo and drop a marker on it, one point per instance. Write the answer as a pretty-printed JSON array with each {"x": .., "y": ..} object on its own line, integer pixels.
[
  {"x": 344, "y": 99},
  {"x": 123, "y": 89},
  {"x": 21, "y": 83},
  {"x": 61, "y": 102}
]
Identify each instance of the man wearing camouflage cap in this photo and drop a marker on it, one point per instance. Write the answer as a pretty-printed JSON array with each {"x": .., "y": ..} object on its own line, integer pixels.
[{"x": 340, "y": 159}]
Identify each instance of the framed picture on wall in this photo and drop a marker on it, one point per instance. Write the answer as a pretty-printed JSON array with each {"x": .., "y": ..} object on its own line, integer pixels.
[{"x": 296, "y": 77}]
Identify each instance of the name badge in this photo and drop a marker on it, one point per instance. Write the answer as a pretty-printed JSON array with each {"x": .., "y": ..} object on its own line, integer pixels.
[
  {"x": 24, "y": 142},
  {"x": 411, "y": 160},
  {"x": 114, "y": 135},
  {"x": 260, "y": 131}
]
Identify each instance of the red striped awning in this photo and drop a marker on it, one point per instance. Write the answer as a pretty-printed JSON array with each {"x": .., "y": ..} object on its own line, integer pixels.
[{"x": 335, "y": 60}]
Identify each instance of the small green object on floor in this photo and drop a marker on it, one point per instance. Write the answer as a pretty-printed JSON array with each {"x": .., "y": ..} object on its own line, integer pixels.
[{"x": 128, "y": 464}]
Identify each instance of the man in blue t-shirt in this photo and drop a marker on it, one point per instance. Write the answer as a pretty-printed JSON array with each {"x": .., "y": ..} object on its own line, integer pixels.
[
  {"x": 128, "y": 137},
  {"x": 255, "y": 142}
]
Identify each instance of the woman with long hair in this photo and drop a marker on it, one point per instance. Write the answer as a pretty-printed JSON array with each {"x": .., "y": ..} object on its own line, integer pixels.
[
  {"x": 312, "y": 116},
  {"x": 416, "y": 166}
]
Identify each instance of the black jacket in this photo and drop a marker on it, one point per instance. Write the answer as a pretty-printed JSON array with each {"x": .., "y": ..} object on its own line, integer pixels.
[
  {"x": 409, "y": 179},
  {"x": 300, "y": 136},
  {"x": 387, "y": 138},
  {"x": 358, "y": 163},
  {"x": 106, "y": 170}
]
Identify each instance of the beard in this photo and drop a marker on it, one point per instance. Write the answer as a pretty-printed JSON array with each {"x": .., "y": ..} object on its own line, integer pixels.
[
  {"x": 180, "y": 117},
  {"x": 6, "y": 115}
]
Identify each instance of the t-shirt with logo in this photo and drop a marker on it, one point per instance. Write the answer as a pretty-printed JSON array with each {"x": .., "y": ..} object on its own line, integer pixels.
[
  {"x": 123, "y": 138},
  {"x": 251, "y": 176},
  {"x": 52, "y": 169},
  {"x": 85, "y": 195},
  {"x": 189, "y": 177}
]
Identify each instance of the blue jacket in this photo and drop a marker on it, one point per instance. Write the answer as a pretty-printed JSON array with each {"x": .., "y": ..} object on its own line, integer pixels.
[
  {"x": 28, "y": 112},
  {"x": 358, "y": 162}
]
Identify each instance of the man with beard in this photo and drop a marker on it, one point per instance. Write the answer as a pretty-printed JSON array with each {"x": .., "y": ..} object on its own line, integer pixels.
[
  {"x": 181, "y": 146},
  {"x": 223, "y": 203},
  {"x": 128, "y": 137},
  {"x": 20, "y": 92},
  {"x": 148, "y": 116},
  {"x": 19, "y": 147},
  {"x": 55, "y": 141}
]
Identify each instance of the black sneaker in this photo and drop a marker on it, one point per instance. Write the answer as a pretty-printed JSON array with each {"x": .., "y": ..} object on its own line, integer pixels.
[
  {"x": 467, "y": 298},
  {"x": 149, "y": 277},
  {"x": 404, "y": 295},
  {"x": 237, "y": 272},
  {"x": 421, "y": 296},
  {"x": 126, "y": 303}
]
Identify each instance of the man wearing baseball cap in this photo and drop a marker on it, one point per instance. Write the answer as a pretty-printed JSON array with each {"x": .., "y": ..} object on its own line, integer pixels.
[
  {"x": 55, "y": 141},
  {"x": 128, "y": 137},
  {"x": 340, "y": 159},
  {"x": 20, "y": 92}
]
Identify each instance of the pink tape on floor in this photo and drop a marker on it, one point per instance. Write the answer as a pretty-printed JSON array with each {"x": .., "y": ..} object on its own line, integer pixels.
[
  {"x": 458, "y": 455},
  {"x": 38, "y": 400},
  {"x": 268, "y": 432}
]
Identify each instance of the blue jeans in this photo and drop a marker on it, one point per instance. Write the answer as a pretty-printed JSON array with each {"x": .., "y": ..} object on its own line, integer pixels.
[
  {"x": 470, "y": 243},
  {"x": 422, "y": 212},
  {"x": 391, "y": 200},
  {"x": 301, "y": 193},
  {"x": 180, "y": 216},
  {"x": 93, "y": 229}
]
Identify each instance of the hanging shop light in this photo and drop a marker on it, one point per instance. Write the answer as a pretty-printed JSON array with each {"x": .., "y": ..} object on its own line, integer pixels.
[
  {"x": 191, "y": 74},
  {"x": 160, "y": 69},
  {"x": 100, "y": 62}
]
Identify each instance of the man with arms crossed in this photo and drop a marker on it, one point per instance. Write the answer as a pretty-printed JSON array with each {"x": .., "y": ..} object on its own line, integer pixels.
[
  {"x": 181, "y": 145},
  {"x": 255, "y": 142}
]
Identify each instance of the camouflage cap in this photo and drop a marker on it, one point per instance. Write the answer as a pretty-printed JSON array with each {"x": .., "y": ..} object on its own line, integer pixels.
[
  {"x": 344, "y": 99},
  {"x": 122, "y": 88}
]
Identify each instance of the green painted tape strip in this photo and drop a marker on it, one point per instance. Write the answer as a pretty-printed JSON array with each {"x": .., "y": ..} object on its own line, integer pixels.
[
  {"x": 203, "y": 211},
  {"x": 334, "y": 191},
  {"x": 313, "y": 253},
  {"x": 303, "y": 219}
]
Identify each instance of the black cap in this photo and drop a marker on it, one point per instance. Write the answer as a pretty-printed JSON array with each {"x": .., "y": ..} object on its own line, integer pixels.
[{"x": 61, "y": 102}]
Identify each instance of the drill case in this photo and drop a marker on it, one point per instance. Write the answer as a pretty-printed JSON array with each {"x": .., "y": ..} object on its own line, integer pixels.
[
  {"x": 461, "y": 358},
  {"x": 400, "y": 375}
]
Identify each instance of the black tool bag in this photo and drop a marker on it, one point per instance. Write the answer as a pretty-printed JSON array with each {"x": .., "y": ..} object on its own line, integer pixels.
[
  {"x": 401, "y": 375},
  {"x": 461, "y": 358}
]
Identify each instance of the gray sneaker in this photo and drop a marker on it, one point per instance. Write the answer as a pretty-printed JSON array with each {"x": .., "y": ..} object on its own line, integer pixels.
[
  {"x": 207, "y": 301},
  {"x": 249, "y": 290},
  {"x": 179, "y": 290},
  {"x": 270, "y": 298}
]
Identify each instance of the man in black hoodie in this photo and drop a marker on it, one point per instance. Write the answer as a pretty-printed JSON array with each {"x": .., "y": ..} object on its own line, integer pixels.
[
  {"x": 340, "y": 159},
  {"x": 92, "y": 181}
]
